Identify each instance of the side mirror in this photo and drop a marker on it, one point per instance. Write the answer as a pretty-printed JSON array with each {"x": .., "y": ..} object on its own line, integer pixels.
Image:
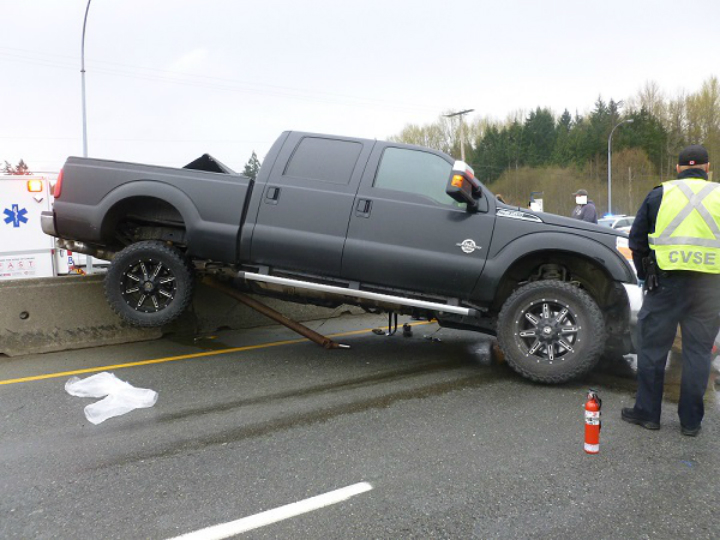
[{"x": 463, "y": 187}]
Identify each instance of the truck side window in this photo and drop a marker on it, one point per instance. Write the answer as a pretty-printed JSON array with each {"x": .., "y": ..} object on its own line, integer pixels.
[
  {"x": 414, "y": 171},
  {"x": 328, "y": 160}
]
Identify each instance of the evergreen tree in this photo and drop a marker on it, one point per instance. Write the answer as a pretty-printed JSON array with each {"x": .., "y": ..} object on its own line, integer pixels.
[
  {"x": 563, "y": 152},
  {"x": 515, "y": 145},
  {"x": 565, "y": 121},
  {"x": 646, "y": 132},
  {"x": 489, "y": 158},
  {"x": 252, "y": 166},
  {"x": 595, "y": 143},
  {"x": 539, "y": 137},
  {"x": 614, "y": 110}
]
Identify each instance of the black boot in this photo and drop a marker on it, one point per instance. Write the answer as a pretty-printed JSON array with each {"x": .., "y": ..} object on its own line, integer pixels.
[{"x": 629, "y": 414}]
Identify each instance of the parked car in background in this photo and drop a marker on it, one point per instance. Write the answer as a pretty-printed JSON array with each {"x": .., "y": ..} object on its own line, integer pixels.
[{"x": 620, "y": 222}]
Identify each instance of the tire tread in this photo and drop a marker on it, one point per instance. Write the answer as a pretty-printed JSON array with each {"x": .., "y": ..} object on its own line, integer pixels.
[
  {"x": 592, "y": 352},
  {"x": 179, "y": 304}
]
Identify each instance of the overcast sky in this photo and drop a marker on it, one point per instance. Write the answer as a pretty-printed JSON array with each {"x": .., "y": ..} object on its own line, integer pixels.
[{"x": 167, "y": 81}]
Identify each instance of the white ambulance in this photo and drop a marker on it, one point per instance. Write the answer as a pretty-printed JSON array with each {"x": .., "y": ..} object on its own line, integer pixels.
[{"x": 25, "y": 251}]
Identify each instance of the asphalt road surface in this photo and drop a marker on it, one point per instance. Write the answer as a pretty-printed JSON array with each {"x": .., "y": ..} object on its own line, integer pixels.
[{"x": 397, "y": 437}]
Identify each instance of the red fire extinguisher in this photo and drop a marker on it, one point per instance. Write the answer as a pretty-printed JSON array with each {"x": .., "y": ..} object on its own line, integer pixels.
[{"x": 592, "y": 422}]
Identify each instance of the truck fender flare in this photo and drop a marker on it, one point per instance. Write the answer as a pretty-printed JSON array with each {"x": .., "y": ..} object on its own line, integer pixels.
[
  {"x": 151, "y": 189},
  {"x": 498, "y": 263}
]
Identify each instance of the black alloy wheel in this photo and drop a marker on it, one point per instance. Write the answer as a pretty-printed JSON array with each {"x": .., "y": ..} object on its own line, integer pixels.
[
  {"x": 149, "y": 283},
  {"x": 551, "y": 331}
]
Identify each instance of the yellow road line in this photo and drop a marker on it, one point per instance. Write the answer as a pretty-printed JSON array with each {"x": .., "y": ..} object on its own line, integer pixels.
[{"x": 182, "y": 357}]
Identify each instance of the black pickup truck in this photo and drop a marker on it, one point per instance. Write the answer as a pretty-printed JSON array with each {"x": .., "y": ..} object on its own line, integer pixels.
[{"x": 338, "y": 220}]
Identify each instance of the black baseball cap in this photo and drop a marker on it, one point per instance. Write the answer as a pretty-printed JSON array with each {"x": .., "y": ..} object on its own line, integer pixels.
[
  {"x": 695, "y": 154},
  {"x": 580, "y": 192}
]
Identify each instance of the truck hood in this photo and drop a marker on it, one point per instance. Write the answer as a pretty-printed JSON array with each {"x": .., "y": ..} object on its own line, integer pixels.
[{"x": 562, "y": 221}]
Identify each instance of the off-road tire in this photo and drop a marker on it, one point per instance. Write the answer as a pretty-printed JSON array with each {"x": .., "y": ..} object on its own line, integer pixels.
[
  {"x": 149, "y": 283},
  {"x": 551, "y": 331}
]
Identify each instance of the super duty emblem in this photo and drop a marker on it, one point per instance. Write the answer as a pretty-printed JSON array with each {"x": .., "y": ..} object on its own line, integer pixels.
[{"x": 468, "y": 246}]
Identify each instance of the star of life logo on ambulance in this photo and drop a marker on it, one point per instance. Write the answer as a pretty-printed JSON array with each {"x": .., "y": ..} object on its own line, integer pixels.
[{"x": 15, "y": 215}]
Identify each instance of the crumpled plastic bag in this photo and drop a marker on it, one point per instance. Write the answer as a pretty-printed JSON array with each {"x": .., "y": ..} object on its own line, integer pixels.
[{"x": 120, "y": 397}]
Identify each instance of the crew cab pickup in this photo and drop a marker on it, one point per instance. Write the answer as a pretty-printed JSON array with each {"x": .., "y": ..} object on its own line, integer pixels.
[{"x": 338, "y": 220}]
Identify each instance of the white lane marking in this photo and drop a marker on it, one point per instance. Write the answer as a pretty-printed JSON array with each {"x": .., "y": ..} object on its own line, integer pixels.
[{"x": 226, "y": 530}]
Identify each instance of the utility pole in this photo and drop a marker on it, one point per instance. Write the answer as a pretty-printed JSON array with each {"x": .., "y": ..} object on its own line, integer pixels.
[{"x": 462, "y": 131}]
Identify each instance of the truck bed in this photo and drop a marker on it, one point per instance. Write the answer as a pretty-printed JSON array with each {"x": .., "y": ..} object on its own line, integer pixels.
[{"x": 97, "y": 192}]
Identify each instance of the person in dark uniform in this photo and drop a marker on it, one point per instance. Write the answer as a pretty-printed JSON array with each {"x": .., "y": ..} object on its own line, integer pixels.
[
  {"x": 675, "y": 242},
  {"x": 584, "y": 208}
]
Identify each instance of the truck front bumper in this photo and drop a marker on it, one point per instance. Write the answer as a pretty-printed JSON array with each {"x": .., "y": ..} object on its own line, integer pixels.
[
  {"x": 47, "y": 222},
  {"x": 635, "y": 297}
]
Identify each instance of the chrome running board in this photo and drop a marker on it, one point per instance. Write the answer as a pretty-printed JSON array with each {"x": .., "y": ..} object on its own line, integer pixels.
[{"x": 344, "y": 291}]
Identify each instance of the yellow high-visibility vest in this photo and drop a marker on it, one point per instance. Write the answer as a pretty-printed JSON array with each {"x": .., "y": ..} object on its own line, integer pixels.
[{"x": 687, "y": 230}]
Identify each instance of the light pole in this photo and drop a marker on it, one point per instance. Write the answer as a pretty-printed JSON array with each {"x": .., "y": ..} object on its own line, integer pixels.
[
  {"x": 462, "y": 134},
  {"x": 628, "y": 121},
  {"x": 88, "y": 258},
  {"x": 82, "y": 75}
]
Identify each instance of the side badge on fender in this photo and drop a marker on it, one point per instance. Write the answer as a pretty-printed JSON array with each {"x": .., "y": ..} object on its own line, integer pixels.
[{"x": 468, "y": 246}]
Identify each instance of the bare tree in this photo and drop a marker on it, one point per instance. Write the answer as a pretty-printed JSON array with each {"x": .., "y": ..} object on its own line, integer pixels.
[{"x": 20, "y": 168}]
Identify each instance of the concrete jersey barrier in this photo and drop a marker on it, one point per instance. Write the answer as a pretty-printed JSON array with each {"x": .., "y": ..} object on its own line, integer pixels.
[{"x": 56, "y": 314}]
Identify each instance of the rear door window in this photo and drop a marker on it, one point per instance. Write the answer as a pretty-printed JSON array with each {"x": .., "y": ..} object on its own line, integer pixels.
[{"x": 327, "y": 160}]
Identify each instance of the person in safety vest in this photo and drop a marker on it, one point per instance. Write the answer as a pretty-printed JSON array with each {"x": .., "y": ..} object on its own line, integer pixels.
[
  {"x": 675, "y": 241},
  {"x": 585, "y": 208}
]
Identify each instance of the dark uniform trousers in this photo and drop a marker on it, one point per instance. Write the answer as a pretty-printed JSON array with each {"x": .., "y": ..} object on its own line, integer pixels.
[{"x": 691, "y": 299}]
